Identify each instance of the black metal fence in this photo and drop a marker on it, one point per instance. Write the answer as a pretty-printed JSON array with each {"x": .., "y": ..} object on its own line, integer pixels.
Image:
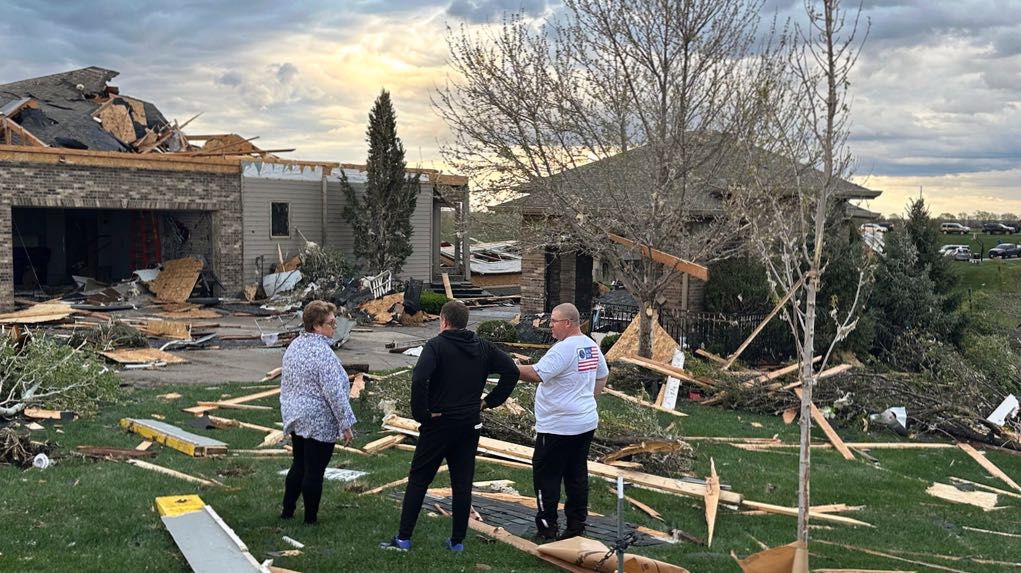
[{"x": 718, "y": 333}]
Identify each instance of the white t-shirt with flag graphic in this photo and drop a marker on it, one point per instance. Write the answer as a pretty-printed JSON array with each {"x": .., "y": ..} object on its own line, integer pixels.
[{"x": 564, "y": 402}]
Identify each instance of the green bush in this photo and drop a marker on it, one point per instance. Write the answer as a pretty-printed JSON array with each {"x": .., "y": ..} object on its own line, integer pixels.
[
  {"x": 497, "y": 331},
  {"x": 432, "y": 302},
  {"x": 607, "y": 342}
]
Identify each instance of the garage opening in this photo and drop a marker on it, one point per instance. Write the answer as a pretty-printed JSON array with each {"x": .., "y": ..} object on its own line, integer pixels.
[{"x": 53, "y": 245}]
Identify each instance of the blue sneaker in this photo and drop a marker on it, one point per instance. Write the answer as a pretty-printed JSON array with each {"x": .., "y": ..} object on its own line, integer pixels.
[
  {"x": 455, "y": 547},
  {"x": 396, "y": 544}
]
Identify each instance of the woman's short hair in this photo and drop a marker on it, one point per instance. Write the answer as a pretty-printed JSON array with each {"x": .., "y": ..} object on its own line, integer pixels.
[{"x": 315, "y": 313}]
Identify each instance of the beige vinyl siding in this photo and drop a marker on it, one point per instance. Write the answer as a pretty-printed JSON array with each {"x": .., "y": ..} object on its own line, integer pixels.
[{"x": 305, "y": 200}]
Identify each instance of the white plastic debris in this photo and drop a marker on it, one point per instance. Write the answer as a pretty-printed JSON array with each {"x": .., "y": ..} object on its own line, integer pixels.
[
  {"x": 336, "y": 474},
  {"x": 895, "y": 418},
  {"x": 280, "y": 282},
  {"x": 1007, "y": 409},
  {"x": 41, "y": 461},
  {"x": 416, "y": 351}
]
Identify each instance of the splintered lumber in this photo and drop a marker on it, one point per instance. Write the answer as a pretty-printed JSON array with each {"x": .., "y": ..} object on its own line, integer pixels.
[
  {"x": 142, "y": 356},
  {"x": 868, "y": 551},
  {"x": 640, "y": 402},
  {"x": 773, "y": 444},
  {"x": 776, "y": 560},
  {"x": 115, "y": 453},
  {"x": 523, "y": 454},
  {"x": 41, "y": 414},
  {"x": 956, "y": 481},
  {"x": 789, "y": 369},
  {"x": 144, "y": 446},
  {"x": 279, "y": 452},
  {"x": 643, "y": 507},
  {"x": 779, "y": 305},
  {"x": 446, "y": 286},
  {"x": 272, "y": 439},
  {"x": 228, "y": 405},
  {"x": 504, "y": 463},
  {"x": 793, "y": 512},
  {"x": 988, "y": 465},
  {"x": 199, "y": 410},
  {"x": 710, "y": 356},
  {"x": 712, "y": 500},
  {"x": 645, "y": 446},
  {"x": 592, "y": 555},
  {"x": 838, "y": 369},
  {"x": 173, "y": 473},
  {"x": 666, "y": 259},
  {"x": 666, "y": 369},
  {"x": 357, "y": 386},
  {"x": 396, "y": 483},
  {"x": 192, "y": 313},
  {"x": 272, "y": 374},
  {"x": 663, "y": 344},
  {"x": 177, "y": 279},
  {"x": 383, "y": 443},
  {"x": 174, "y": 437},
  {"x": 985, "y": 500},
  {"x": 209, "y": 545},
  {"x": 502, "y": 535},
  {"x": 231, "y": 423},
  {"x": 167, "y": 329},
  {"x": 824, "y": 425},
  {"x": 1000, "y": 533},
  {"x": 44, "y": 312}
]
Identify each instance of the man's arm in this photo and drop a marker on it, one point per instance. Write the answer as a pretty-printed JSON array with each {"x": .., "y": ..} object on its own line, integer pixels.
[
  {"x": 420, "y": 378},
  {"x": 600, "y": 384},
  {"x": 501, "y": 363},
  {"x": 528, "y": 374}
]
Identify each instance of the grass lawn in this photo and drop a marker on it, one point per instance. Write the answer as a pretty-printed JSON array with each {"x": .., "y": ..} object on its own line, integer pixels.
[
  {"x": 87, "y": 515},
  {"x": 991, "y": 275}
]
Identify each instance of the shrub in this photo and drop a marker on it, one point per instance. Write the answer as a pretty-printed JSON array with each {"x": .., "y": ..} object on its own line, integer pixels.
[
  {"x": 432, "y": 302},
  {"x": 607, "y": 342},
  {"x": 497, "y": 331}
]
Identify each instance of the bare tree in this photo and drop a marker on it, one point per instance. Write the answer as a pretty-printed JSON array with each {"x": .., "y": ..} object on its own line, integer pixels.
[
  {"x": 620, "y": 117},
  {"x": 809, "y": 132}
]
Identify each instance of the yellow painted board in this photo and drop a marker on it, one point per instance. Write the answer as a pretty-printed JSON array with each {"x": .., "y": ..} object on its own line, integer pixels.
[
  {"x": 173, "y": 505},
  {"x": 159, "y": 437}
]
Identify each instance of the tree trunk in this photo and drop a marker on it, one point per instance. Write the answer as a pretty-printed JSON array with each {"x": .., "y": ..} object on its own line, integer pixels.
[
  {"x": 646, "y": 314},
  {"x": 807, "y": 384}
]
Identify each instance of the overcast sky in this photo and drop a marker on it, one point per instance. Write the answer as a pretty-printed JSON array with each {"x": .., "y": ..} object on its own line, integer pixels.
[{"x": 936, "y": 91}]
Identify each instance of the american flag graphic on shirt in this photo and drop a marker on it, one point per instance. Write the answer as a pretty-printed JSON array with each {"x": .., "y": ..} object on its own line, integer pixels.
[{"x": 588, "y": 358}]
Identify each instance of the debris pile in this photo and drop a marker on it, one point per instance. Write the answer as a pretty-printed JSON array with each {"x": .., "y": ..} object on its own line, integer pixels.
[{"x": 17, "y": 448}]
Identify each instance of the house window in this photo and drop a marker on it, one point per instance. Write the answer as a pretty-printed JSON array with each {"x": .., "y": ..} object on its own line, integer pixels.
[{"x": 280, "y": 220}]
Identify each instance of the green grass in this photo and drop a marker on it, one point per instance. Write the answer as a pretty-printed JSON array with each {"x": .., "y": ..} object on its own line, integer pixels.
[
  {"x": 992, "y": 275},
  {"x": 98, "y": 515}
]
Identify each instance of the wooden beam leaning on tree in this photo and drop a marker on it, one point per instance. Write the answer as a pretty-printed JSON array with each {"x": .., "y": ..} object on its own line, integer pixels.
[
  {"x": 733, "y": 357},
  {"x": 696, "y": 270}
]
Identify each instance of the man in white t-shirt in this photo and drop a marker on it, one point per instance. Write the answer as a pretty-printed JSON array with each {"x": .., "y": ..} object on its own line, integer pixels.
[{"x": 570, "y": 376}]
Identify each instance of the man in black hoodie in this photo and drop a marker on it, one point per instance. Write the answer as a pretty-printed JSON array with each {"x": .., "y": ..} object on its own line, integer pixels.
[{"x": 446, "y": 399}]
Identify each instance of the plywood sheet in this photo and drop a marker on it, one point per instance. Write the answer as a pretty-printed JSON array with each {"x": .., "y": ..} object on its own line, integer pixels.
[
  {"x": 167, "y": 329},
  {"x": 176, "y": 281},
  {"x": 191, "y": 313},
  {"x": 45, "y": 312},
  {"x": 142, "y": 356},
  {"x": 663, "y": 345},
  {"x": 591, "y": 554},
  {"x": 117, "y": 122}
]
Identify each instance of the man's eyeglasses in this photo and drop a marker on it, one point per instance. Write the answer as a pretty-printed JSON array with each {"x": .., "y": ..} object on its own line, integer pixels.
[{"x": 555, "y": 320}]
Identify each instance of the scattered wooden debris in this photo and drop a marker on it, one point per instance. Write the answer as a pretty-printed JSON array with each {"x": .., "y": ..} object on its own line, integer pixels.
[
  {"x": 114, "y": 453},
  {"x": 176, "y": 281},
  {"x": 199, "y": 410},
  {"x": 592, "y": 555},
  {"x": 641, "y": 402},
  {"x": 446, "y": 286},
  {"x": 645, "y": 446},
  {"x": 191, "y": 313},
  {"x": 357, "y": 386},
  {"x": 272, "y": 374},
  {"x": 641, "y": 506},
  {"x": 169, "y": 396},
  {"x": 666, "y": 369},
  {"x": 229, "y": 405},
  {"x": 996, "y": 490},
  {"x": 383, "y": 443},
  {"x": 142, "y": 356},
  {"x": 663, "y": 344},
  {"x": 986, "y": 500},
  {"x": 272, "y": 439},
  {"x": 173, "y": 473},
  {"x": 166, "y": 329},
  {"x": 712, "y": 500},
  {"x": 779, "y": 305},
  {"x": 889, "y": 556},
  {"x": 694, "y": 269},
  {"x": 988, "y": 465},
  {"x": 793, "y": 512},
  {"x": 39, "y": 313},
  {"x": 776, "y": 560},
  {"x": 396, "y": 483},
  {"x": 824, "y": 425},
  {"x": 174, "y": 437},
  {"x": 1000, "y": 533},
  {"x": 144, "y": 446},
  {"x": 41, "y": 414}
]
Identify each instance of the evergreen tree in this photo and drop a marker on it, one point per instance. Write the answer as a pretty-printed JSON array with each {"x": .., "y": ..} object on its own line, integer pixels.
[
  {"x": 924, "y": 234},
  {"x": 381, "y": 217}
]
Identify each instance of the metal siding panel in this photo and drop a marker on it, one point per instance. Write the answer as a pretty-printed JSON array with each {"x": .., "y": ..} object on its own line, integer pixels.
[{"x": 305, "y": 202}]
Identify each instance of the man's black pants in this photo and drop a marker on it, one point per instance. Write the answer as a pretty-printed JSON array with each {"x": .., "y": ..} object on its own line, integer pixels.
[
  {"x": 439, "y": 440},
  {"x": 305, "y": 478},
  {"x": 561, "y": 459}
]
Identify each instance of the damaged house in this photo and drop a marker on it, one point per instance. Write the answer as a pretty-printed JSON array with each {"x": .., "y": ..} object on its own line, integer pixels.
[{"x": 98, "y": 184}]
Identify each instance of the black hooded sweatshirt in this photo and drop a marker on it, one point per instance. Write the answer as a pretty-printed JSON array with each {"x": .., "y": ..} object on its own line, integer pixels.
[{"x": 450, "y": 377}]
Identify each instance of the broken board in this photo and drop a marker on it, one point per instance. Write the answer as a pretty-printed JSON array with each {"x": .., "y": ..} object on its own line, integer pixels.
[
  {"x": 592, "y": 554},
  {"x": 176, "y": 281},
  {"x": 142, "y": 356},
  {"x": 207, "y": 542},
  {"x": 663, "y": 345},
  {"x": 45, "y": 312},
  {"x": 174, "y": 437}
]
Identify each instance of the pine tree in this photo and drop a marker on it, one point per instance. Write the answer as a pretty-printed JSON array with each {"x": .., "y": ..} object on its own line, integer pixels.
[{"x": 381, "y": 217}]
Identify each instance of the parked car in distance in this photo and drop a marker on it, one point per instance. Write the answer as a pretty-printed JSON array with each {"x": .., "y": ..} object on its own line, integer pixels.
[
  {"x": 998, "y": 229},
  {"x": 1004, "y": 250},
  {"x": 962, "y": 253},
  {"x": 954, "y": 228},
  {"x": 947, "y": 250}
]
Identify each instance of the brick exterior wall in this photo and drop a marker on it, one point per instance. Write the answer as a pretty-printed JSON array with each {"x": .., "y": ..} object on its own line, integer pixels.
[{"x": 24, "y": 184}]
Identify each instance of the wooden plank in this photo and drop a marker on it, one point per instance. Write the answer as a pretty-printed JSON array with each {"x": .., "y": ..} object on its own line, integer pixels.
[
  {"x": 712, "y": 500},
  {"x": 200, "y": 409},
  {"x": 957, "y": 480},
  {"x": 174, "y": 437},
  {"x": 383, "y": 443},
  {"x": 710, "y": 356},
  {"x": 791, "y": 368},
  {"x": 793, "y": 512},
  {"x": 172, "y": 473},
  {"x": 116, "y": 453},
  {"x": 272, "y": 374},
  {"x": 357, "y": 386},
  {"x": 667, "y": 370},
  {"x": 988, "y": 465},
  {"x": 666, "y": 259},
  {"x": 744, "y": 345},
  {"x": 823, "y": 424},
  {"x": 643, "y": 507},
  {"x": 228, "y": 405},
  {"x": 888, "y": 556},
  {"x": 142, "y": 356},
  {"x": 395, "y": 483},
  {"x": 986, "y": 500},
  {"x": 833, "y": 371},
  {"x": 272, "y": 439},
  {"x": 44, "y": 312},
  {"x": 144, "y": 446},
  {"x": 641, "y": 402},
  {"x": 41, "y": 414},
  {"x": 446, "y": 286},
  {"x": 176, "y": 281}
]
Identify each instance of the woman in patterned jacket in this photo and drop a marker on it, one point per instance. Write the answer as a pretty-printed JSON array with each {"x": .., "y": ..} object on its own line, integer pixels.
[{"x": 314, "y": 406}]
